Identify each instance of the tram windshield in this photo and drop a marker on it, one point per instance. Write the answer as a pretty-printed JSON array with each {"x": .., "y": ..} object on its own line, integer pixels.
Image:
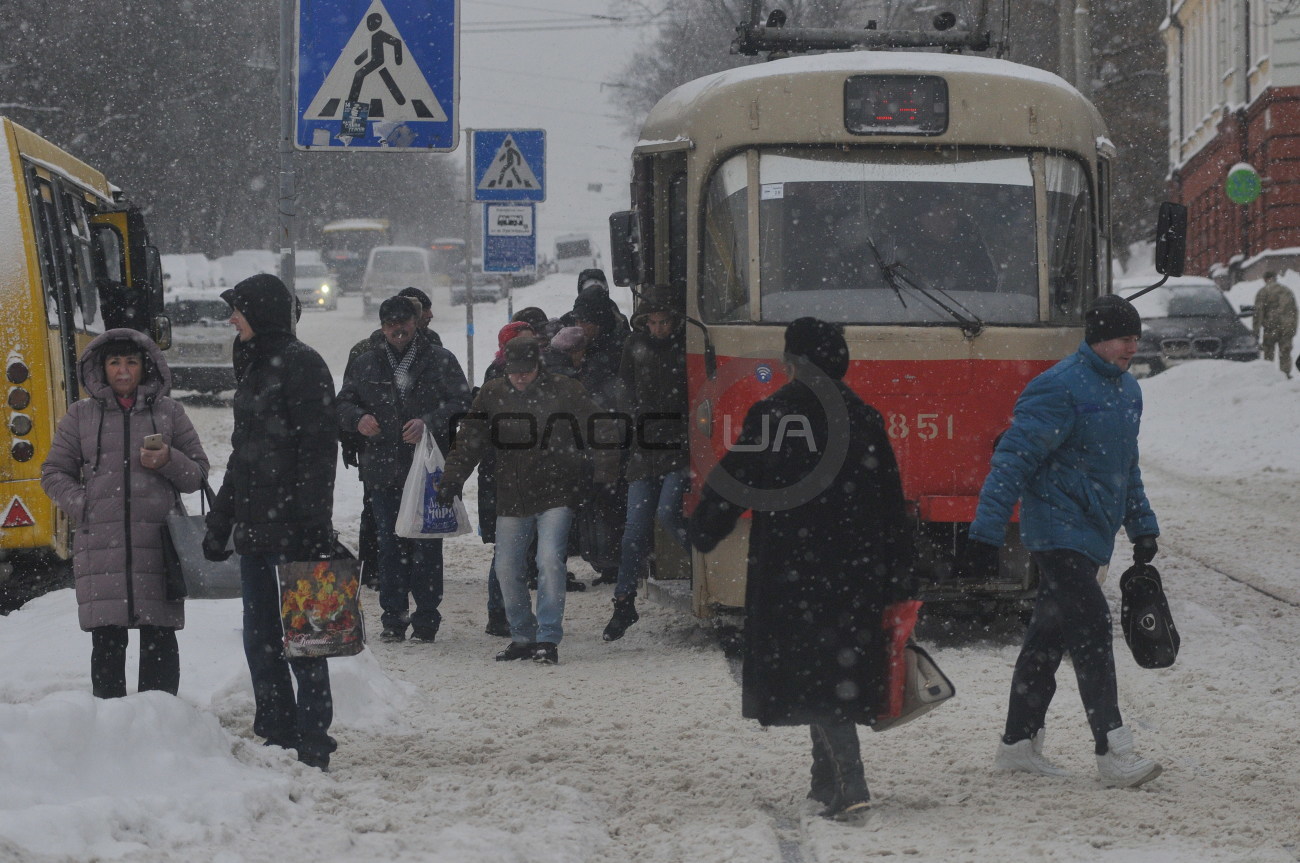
[{"x": 871, "y": 237}]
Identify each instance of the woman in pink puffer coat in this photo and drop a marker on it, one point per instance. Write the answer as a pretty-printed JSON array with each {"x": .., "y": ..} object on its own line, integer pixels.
[{"x": 118, "y": 494}]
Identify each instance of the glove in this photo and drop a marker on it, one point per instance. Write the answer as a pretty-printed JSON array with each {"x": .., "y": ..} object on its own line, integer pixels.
[
  {"x": 1144, "y": 549},
  {"x": 979, "y": 560},
  {"x": 214, "y": 546},
  {"x": 447, "y": 495},
  {"x": 316, "y": 542}
]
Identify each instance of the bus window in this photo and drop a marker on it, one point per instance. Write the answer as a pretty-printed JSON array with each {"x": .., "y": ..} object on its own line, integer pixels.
[
  {"x": 54, "y": 274},
  {"x": 82, "y": 267},
  {"x": 958, "y": 228},
  {"x": 724, "y": 273},
  {"x": 1071, "y": 275}
]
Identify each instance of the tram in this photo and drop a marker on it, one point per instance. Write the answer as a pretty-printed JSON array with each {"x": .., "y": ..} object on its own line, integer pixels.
[
  {"x": 951, "y": 211},
  {"x": 75, "y": 260}
]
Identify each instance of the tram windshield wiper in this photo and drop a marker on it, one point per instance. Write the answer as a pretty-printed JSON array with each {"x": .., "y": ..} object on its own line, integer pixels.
[{"x": 970, "y": 322}]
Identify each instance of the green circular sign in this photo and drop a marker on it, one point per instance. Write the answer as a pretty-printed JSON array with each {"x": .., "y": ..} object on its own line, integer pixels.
[{"x": 1243, "y": 184}]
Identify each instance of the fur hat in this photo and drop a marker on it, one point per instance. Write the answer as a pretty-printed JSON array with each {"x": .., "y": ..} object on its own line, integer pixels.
[
  {"x": 569, "y": 339},
  {"x": 819, "y": 342},
  {"x": 1111, "y": 317},
  {"x": 418, "y": 295}
]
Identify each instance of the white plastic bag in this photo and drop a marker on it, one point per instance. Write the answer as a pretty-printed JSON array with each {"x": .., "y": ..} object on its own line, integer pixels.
[{"x": 421, "y": 516}]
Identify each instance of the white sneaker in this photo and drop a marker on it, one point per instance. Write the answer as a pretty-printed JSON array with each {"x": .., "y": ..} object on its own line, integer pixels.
[
  {"x": 1121, "y": 767},
  {"x": 1026, "y": 756}
]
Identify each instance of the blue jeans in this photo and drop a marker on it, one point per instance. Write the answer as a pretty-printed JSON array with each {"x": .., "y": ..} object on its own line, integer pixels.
[
  {"x": 407, "y": 568},
  {"x": 301, "y": 724},
  {"x": 647, "y": 499},
  {"x": 514, "y": 533}
]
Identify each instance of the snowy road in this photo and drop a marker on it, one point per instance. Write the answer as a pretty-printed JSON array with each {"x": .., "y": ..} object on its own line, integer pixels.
[{"x": 635, "y": 751}]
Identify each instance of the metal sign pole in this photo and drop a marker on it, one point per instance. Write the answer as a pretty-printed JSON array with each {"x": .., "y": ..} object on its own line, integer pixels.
[
  {"x": 288, "y": 207},
  {"x": 469, "y": 254}
]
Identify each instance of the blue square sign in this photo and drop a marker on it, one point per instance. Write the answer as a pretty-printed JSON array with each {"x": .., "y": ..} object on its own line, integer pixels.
[
  {"x": 510, "y": 165},
  {"x": 378, "y": 75},
  {"x": 509, "y": 238}
]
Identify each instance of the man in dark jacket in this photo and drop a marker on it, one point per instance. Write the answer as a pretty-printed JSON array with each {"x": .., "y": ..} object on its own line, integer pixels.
[
  {"x": 1071, "y": 457},
  {"x": 278, "y": 499},
  {"x": 829, "y": 548},
  {"x": 540, "y": 426},
  {"x": 390, "y": 395},
  {"x": 653, "y": 387}
]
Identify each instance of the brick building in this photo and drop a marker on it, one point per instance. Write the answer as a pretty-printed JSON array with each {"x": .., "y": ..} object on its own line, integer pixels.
[{"x": 1234, "y": 96}]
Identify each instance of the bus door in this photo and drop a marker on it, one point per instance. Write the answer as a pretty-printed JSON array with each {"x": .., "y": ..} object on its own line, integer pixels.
[{"x": 131, "y": 275}]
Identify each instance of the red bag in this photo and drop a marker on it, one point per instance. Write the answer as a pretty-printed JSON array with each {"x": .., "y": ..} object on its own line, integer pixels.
[{"x": 899, "y": 621}]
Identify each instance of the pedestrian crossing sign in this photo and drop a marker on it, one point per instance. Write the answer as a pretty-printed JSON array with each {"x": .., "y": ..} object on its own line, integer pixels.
[
  {"x": 378, "y": 75},
  {"x": 509, "y": 165}
]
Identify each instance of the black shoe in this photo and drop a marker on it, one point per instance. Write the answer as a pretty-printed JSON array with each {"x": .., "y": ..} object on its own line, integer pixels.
[
  {"x": 320, "y": 762},
  {"x": 571, "y": 583},
  {"x": 423, "y": 636},
  {"x": 624, "y": 616},
  {"x": 851, "y": 808},
  {"x": 497, "y": 624},
  {"x": 606, "y": 576},
  {"x": 392, "y": 635},
  {"x": 546, "y": 653},
  {"x": 517, "y": 650}
]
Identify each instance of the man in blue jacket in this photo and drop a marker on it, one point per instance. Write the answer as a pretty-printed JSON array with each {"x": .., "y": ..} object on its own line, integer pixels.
[{"x": 1071, "y": 459}]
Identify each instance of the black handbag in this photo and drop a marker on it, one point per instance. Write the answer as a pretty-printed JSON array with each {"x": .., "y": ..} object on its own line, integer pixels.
[
  {"x": 189, "y": 573},
  {"x": 1144, "y": 616}
]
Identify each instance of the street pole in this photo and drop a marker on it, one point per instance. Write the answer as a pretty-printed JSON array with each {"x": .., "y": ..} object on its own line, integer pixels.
[
  {"x": 1083, "y": 47},
  {"x": 288, "y": 207},
  {"x": 469, "y": 254}
]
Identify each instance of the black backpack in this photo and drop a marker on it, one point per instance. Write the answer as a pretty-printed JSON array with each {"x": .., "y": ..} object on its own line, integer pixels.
[{"x": 1144, "y": 616}]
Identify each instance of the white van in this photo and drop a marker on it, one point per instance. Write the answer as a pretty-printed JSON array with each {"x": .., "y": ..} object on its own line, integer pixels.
[{"x": 391, "y": 268}]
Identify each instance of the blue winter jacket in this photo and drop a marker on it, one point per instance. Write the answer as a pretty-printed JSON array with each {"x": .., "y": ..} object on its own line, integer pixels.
[{"x": 1071, "y": 458}]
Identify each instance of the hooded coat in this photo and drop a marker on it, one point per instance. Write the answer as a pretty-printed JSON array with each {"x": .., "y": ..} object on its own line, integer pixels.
[
  {"x": 821, "y": 572},
  {"x": 278, "y": 491},
  {"x": 653, "y": 377},
  {"x": 118, "y": 506},
  {"x": 1071, "y": 457}
]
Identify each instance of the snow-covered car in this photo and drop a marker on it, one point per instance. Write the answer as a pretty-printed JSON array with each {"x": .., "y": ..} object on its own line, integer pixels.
[
  {"x": 315, "y": 286},
  {"x": 488, "y": 287},
  {"x": 202, "y": 340},
  {"x": 1187, "y": 318}
]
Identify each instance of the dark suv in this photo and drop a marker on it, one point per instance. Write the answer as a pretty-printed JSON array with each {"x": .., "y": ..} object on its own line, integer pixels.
[{"x": 1188, "y": 318}]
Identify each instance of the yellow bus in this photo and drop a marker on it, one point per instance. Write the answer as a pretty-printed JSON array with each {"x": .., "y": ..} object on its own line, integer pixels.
[{"x": 75, "y": 260}]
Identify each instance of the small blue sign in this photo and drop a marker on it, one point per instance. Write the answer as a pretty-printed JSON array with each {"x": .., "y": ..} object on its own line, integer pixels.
[
  {"x": 510, "y": 165},
  {"x": 509, "y": 238},
  {"x": 763, "y": 372},
  {"x": 378, "y": 75}
]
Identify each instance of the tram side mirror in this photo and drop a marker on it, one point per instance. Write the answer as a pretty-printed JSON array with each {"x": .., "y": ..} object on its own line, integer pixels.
[
  {"x": 623, "y": 247},
  {"x": 1171, "y": 239},
  {"x": 160, "y": 330}
]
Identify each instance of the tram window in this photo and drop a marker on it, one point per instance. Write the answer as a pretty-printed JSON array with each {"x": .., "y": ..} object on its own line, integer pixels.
[
  {"x": 960, "y": 229},
  {"x": 725, "y": 276},
  {"x": 1071, "y": 275},
  {"x": 677, "y": 233}
]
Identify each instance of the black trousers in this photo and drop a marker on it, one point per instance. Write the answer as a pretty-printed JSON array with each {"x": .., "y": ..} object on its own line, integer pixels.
[
  {"x": 160, "y": 660},
  {"x": 1070, "y": 615},
  {"x": 837, "y": 774}
]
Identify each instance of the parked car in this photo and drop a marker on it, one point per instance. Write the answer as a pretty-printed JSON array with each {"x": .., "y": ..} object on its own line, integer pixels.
[
  {"x": 202, "y": 340},
  {"x": 315, "y": 286},
  {"x": 391, "y": 268},
  {"x": 1187, "y": 318},
  {"x": 488, "y": 287}
]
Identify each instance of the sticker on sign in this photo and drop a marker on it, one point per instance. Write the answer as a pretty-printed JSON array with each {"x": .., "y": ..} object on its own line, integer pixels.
[{"x": 509, "y": 221}]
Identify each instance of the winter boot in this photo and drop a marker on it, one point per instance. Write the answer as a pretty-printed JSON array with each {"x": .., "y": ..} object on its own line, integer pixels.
[
  {"x": 605, "y": 576},
  {"x": 572, "y": 585},
  {"x": 546, "y": 653},
  {"x": 1121, "y": 766},
  {"x": 497, "y": 624},
  {"x": 517, "y": 650},
  {"x": 624, "y": 616},
  {"x": 1026, "y": 756}
]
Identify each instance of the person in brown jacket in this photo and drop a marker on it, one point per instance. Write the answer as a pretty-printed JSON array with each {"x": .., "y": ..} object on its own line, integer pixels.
[
  {"x": 540, "y": 427},
  {"x": 117, "y": 489},
  {"x": 1275, "y": 317}
]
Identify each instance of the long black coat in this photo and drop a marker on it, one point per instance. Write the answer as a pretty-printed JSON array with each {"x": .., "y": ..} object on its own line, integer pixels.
[
  {"x": 821, "y": 572},
  {"x": 438, "y": 393},
  {"x": 278, "y": 491},
  {"x": 653, "y": 376}
]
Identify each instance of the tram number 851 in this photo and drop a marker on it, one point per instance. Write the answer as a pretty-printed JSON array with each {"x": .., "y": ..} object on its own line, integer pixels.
[{"x": 925, "y": 426}]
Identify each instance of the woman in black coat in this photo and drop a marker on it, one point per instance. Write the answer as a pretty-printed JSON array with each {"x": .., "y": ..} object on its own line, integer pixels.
[{"x": 829, "y": 548}]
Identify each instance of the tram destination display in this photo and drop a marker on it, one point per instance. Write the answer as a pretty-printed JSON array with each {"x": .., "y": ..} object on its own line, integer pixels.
[{"x": 896, "y": 104}]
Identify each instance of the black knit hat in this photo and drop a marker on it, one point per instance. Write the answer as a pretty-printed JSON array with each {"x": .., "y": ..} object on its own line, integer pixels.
[
  {"x": 821, "y": 343},
  {"x": 396, "y": 310},
  {"x": 1111, "y": 317},
  {"x": 593, "y": 306}
]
